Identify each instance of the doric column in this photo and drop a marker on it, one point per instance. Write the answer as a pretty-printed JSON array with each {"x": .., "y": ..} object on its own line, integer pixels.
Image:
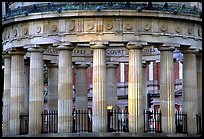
[
  {"x": 17, "y": 90},
  {"x": 112, "y": 85},
  {"x": 81, "y": 87},
  {"x": 52, "y": 97},
  {"x": 36, "y": 85},
  {"x": 144, "y": 79},
  {"x": 112, "y": 92},
  {"x": 6, "y": 94},
  {"x": 99, "y": 104},
  {"x": 65, "y": 91},
  {"x": 167, "y": 104},
  {"x": 135, "y": 91},
  {"x": 199, "y": 81},
  {"x": 26, "y": 86},
  {"x": 190, "y": 94},
  {"x": 81, "y": 98}
]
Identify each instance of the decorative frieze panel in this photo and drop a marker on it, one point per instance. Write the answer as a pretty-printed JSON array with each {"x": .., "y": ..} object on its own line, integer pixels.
[
  {"x": 127, "y": 25},
  {"x": 118, "y": 26},
  {"x": 70, "y": 26},
  {"x": 102, "y": 25},
  {"x": 108, "y": 25},
  {"x": 163, "y": 26},
  {"x": 146, "y": 25},
  {"x": 89, "y": 25},
  {"x": 80, "y": 26}
]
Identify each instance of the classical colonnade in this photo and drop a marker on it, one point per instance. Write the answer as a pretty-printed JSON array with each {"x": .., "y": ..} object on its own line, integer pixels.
[{"x": 19, "y": 99}]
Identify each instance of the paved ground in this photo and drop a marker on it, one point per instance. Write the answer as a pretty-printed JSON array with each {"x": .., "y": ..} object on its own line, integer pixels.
[{"x": 107, "y": 134}]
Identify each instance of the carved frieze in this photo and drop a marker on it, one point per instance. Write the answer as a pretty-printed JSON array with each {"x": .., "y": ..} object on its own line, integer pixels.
[
  {"x": 8, "y": 34},
  {"x": 15, "y": 32},
  {"x": 147, "y": 27},
  {"x": 178, "y": 29},
  {"x": 53, "y": 28},
  {"x": 38, "y": 29},
  {"x": 190, "y": 30},
  {"x": 128, "y": 26},
  {"x": 200, "y": 32},
  {"x": 90, "y": 26},
  {"x": 163, "y": 28},
  {"x": 25, "y": 30},
  {"x": 71, "y": 25}
]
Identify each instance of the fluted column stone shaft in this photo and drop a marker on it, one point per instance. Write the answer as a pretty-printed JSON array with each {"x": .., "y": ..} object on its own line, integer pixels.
[
  {"x": 17, "y": 91},
  {"x": 36, "y": 86},
  {"x": 81, "y": 87},
  {"x": 112, "y": 85},
  {"x": 26, "y": 86},
  {"x": 167, "y": 96},
  {"x": 190, "y": 94},
  {"x": 135, "y": 89},
  {"x": 6, "y": 94},
  {"x": 81, "y": 103},
  {"x": 52, "y": 97},
  {"x": 144, "y": 79},
  {"x": 65, "y": 91},
  {"x": 199, "y": 81},
  {"x": 99, "y": 89}
]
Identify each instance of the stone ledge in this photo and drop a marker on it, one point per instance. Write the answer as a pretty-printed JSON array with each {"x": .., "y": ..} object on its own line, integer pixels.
[{"x": 108, "y": 134}]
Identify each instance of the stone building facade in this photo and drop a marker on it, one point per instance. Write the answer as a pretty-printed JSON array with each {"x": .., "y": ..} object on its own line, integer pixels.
[{"x": 97, "y": 49}]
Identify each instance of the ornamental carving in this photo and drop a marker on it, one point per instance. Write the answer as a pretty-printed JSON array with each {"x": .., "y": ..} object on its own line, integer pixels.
[
  {"x": 190, "y": 30},
  {"x": 90, "y": 26},
  {"x": 147, "y": 27},
  {"x": 25, "y": 31},
  {"x": 8, "y": 34},
  {"x": 178, "y": 29},
  {"x": 38, "y": 29},
  {"x": 128, "y": 26},
  {"x": 71, "y": 26},
  {"x": 53, "y": 28},
  {"x": 15, "y": 32},
  {"x": 109, "y": 26},
  {"x": 163, "y": 28},
  {"x": 199, "y": 32}
]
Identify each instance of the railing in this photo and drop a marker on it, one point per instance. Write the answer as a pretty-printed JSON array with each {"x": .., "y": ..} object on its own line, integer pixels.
[
  {"x": 49, "y": 122},
  {"x": 102, "y": 5},
  {"x": 24, "y": 124},
  {"x": 118, "y": 121},
  {"x": 181, "y": 122},
  {"x": 82, "y": 121},
  {"x": 199, "y": 123},
  {"x": 152, "y": 121}
]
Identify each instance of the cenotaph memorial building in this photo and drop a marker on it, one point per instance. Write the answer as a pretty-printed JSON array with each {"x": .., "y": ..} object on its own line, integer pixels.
[{"x": 97, "y": 67}]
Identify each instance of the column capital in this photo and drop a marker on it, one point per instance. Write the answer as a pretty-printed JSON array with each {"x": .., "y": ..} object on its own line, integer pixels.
[
  {"x": 98, "y": 45},
  {"x": 199, "y": 53},
  {"x": 6, "y": 55},
  {"x": 166, "y": 48},
  {"x": 52, "y": 64},
  {"x": 189, "y": 51},
  {"x": 81, "y": 65},
  {"x": 136, "y": 45},
  {"x": 64, "y": 46},
  {"x": 112, "y": 65},
  {"x": 17, "y": 52},
  {"x": 35, "y": 49}
]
